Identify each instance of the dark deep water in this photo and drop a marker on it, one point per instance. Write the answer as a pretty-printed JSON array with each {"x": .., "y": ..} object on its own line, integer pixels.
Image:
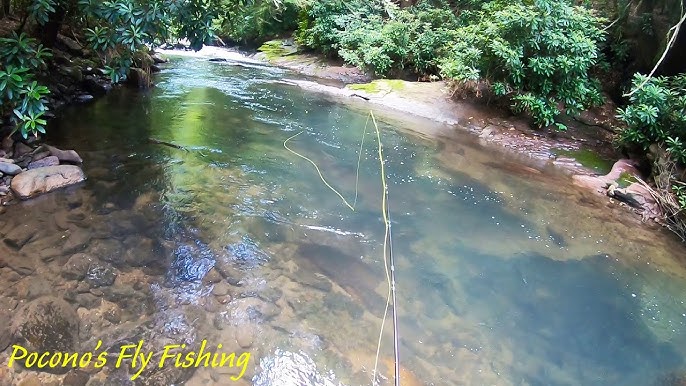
[{"x": 503, "y": 278}]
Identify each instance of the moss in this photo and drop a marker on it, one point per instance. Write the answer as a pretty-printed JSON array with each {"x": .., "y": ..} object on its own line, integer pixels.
[
  {"x": 379, "y": 85},
  {"x": 625, "y": 179},
  {"x": 588, "y": 158},
  {"x": 274, "y": 49}
]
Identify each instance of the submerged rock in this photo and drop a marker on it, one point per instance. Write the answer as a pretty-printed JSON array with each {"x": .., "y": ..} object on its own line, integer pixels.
[
  {"x": 77, "y": 266},
  {"x": 47, "y": 324},
  {"x": 42, "y": 180},
  {"x": 101, "y": 275}
]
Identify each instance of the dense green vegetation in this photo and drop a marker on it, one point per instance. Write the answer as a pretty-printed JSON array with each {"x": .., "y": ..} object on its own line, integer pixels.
[{"x": 115, "y": 30}]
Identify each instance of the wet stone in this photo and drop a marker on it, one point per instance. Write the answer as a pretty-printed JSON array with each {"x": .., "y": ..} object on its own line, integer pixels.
[
  {"x": 109, "y": 250},
  {"x": 77, "y": 241},
  {"x": 47, "y": 324},
  {"x": 19, "y": 236},
  {"x": 100, "y": 275},
  {"x": 141, "y": 251},
  {"x": 88, "y": 300},
  {"x": 221, "y": 289},
  {"x": 30, "y": 380},
  {"x": 75, "y": 378},
  {"x": 49, "y": 254},
  {"x": 77, "y": 266},
  {"x": 47, "y": 161},
  {"x": 212, "y": 277},
  {"x": 245, "y": 335}
]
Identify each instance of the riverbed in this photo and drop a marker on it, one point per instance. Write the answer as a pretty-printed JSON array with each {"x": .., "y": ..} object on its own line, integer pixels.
[{"x": 507, "y": 274}]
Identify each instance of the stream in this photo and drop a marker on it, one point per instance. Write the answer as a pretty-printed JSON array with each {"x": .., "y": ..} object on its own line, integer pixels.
[{"x": 506, "y": 274}]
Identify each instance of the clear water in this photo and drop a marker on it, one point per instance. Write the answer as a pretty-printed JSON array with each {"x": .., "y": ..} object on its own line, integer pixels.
[{"x": 506, "y": 275}]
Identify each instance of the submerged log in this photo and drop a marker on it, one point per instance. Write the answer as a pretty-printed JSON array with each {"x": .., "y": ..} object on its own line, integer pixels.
[{"x": 158, "y": 142}]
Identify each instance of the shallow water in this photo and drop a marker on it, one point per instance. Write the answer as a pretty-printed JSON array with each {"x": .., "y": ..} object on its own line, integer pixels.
[{"x": 507, "y": 275}]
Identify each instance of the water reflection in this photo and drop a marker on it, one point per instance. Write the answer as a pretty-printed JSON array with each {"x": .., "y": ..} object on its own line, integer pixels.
[{"x": 506, "y": 275}]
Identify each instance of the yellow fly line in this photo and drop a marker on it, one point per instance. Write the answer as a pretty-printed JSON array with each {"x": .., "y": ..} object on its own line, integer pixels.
[{"x": 387, "y": 226}]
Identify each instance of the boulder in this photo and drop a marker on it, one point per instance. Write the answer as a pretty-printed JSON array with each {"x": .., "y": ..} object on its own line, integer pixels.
[
  {"x": 10, "y": 169},
  {"x": 600, "y": 184},
  {"x": 47, "y": 324},
  {"x": 158, "y": 58},
  {"x": 637, "y": 196},
  {"x": 72, "y": 45},
  {"x": 84, "y": 98},
  {"x": 95, "y": 87},
  {"x": 42, "y": 180},
  {"x": 69, "y": 156},
  {"x": 72, "y": 72},
  {"x": 44, "y": 162},
  {"x": 138, "y": 78}
]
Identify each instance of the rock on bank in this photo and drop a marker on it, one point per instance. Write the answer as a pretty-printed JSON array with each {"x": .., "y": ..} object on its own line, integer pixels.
[{"x": 42, "y": 180}]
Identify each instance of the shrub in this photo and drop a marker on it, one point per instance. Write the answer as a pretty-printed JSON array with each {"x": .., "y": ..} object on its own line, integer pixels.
[
  {"x": 365, "y": 36},
  {"x": 259, "y": 20},
  {"x": 537, "y": 53},
  {"x": 322, "y": 22},
  {"x": 656, "y": 113},
  {"x": 20, "y": 95}
]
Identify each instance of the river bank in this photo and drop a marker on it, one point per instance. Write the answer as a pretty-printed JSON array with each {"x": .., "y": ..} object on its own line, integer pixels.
[{"x": 74, "y": 75}]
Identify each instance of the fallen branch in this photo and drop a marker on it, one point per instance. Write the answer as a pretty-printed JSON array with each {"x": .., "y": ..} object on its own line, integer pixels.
[{"x": 672, "y": 39}]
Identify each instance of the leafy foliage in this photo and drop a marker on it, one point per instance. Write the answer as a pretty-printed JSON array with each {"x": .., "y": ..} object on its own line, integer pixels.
[
  {"x": 538, "y": 53},
  {"x": 21, "y": 56},
  {"x": 657, "y": 114},
  {"x": 119, "y": 28},
  {"x": 255, "y": 21},
  {"x": 370, "y": 36}
]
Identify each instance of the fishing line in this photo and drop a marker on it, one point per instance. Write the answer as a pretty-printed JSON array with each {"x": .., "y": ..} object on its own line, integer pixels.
[
  {"x": 318, "y": 171},
  {"x": 390, "y": 275},
  {"x": 387, "y": 243}
]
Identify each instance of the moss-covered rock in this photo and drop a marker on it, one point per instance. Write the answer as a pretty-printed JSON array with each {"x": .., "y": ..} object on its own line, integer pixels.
[
  {"x": 274, "y": 49},
  {"x": 379, "y": 86}
]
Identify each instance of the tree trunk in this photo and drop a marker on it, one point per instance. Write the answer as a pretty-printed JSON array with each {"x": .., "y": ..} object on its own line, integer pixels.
[
  {"x": 5, "y": 8},
  {"x": 50, "y": 30}
]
